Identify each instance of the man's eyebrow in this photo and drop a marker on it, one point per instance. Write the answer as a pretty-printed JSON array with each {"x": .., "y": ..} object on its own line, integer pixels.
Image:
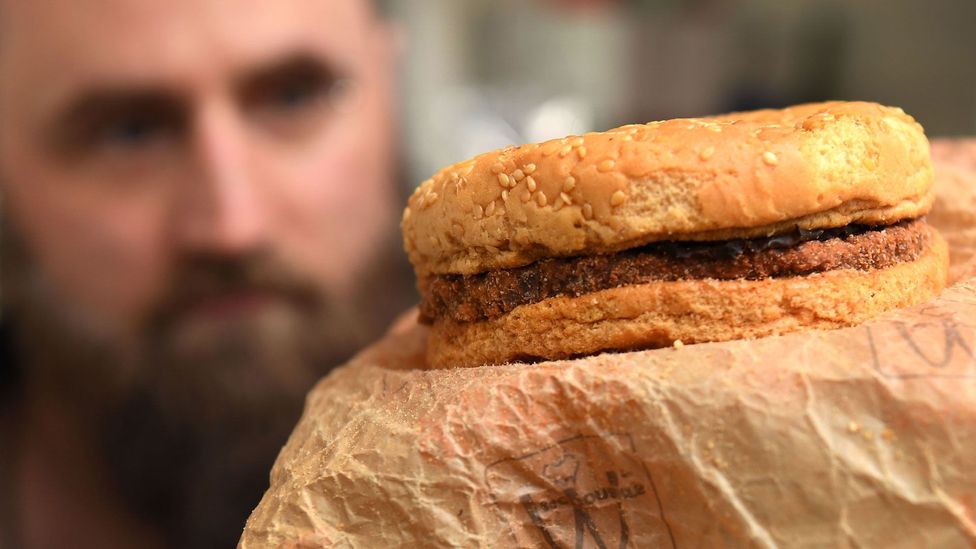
[
  {"x": 98, "y": 105},
  {"x": 299, "y": 65}
]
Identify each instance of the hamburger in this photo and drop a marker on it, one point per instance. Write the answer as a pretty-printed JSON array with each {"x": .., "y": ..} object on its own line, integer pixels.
[{"x": 681, "y": 231}]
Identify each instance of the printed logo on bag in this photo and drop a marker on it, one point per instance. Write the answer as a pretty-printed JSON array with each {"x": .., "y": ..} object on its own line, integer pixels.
[{"x": 586, "y": 491}]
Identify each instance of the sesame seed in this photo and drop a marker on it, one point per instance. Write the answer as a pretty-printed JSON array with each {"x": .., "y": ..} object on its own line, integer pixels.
[
  {"x": 530, "y": 184},
  {"x": 606, "y": 165},
  {"x": 454, "y": 177},
  {"x": 581, "y": 152},
  {"x": 518, "y": 175},
  {"x": 490, "y": 210},
  {"x": 706, "y": 153},
  {"x": 569, "y": 184},
  {"x": 479, "y": 212},
  {"x": 716, "y": 128},
  {"x": 565, "y": 151},
  {"x": 432, "y": 198},
  {"x": 529, "y": 169},
  {"x": 587, "y": 211},
  {"x": 578, "y": 142},
  {"x": 566, "y": 198},
  {"x": 627, "y": 137},
  {"x": 497, "y": 168},
  {"x": 505, "y": 196},
  {"x": 526, "y": 196},
  {"x": 557, "y": 205},
  {"x": 770, "y": 158},
  {"x": 541, "y": 199},
  {"x": 618, "y": 198},
  {"x": 678, "y": 344},
  {"x": 503, "y": 179}
]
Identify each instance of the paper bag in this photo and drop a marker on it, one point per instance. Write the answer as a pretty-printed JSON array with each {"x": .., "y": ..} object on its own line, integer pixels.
[{"x": 861, "y": 437}]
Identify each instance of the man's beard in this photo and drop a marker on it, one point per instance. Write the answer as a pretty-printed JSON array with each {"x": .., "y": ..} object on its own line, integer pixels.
[{"x": 191, "y": 415}]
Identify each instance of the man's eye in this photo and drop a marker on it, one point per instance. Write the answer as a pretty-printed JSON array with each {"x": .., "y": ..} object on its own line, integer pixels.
[
  {"x": 132, "y": 131},
  {"x": 119, "y": 122},
  {"x": 293, "y": 95},
  {"x": 296, "y": 95}
]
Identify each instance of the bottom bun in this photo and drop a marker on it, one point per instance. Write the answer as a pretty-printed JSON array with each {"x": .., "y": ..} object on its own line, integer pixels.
[{"x": 692, "y": 311}]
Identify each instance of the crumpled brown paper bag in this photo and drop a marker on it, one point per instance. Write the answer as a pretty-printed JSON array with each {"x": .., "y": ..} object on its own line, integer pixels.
[
  {"x": 862, "y": 437},
  {"x": 954, "y": 211}
]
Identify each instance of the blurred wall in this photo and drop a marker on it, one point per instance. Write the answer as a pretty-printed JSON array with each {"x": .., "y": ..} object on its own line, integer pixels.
[{"x": 481, "y": 74}]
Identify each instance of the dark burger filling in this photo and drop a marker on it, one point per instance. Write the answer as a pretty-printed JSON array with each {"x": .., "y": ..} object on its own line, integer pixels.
[{"x": 492, "y": 294}]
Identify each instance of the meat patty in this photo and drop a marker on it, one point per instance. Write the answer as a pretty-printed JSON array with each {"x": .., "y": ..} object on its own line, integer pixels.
[{"x": 494, "y": 293}]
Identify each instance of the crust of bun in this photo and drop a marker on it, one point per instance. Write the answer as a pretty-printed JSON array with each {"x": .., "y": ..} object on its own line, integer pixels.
[
  {"x": 694, "y": 311},
  {"x": 734, "y": 176}
]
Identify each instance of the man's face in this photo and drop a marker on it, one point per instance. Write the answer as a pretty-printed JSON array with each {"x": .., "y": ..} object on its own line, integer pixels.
[{"x": 199, "y": 178}]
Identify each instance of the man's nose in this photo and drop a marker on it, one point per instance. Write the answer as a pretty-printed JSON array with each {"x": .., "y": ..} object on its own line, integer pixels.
[{"x": 219, "y": 208}]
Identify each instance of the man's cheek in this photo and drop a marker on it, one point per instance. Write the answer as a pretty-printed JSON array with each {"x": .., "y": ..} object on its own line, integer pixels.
[
  {"x": 353, "y": 229},
  {"x": 112, "y": 271},
  {"x": 331, "y": 221},
  {"x": 319, "y": 239}
]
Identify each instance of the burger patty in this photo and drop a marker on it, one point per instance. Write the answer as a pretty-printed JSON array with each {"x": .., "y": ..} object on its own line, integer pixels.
[{"x": 492, "y": 294}]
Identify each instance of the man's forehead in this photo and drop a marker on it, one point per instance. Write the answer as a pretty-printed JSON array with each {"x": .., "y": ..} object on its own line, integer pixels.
[{"x": 176, "y": 39}]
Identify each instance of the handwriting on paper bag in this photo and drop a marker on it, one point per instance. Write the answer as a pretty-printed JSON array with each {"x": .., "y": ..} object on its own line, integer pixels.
[{"x": 934, "y": 345}]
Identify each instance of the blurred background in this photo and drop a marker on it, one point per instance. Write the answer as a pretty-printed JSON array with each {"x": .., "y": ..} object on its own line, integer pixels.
[
  {"x": 481, "y": 74},
  {"x": 158, "y": 339}
]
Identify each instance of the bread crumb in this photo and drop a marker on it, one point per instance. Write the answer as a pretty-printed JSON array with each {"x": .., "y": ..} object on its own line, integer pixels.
[{"x": 678, "y": 344}]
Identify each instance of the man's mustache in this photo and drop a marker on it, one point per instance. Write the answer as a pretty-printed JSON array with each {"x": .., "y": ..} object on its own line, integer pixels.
[{"x": 202, "y": 278}]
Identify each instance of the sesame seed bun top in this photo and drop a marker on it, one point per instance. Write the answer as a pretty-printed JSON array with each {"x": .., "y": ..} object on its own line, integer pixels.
[{"x": 733, "y": 176}]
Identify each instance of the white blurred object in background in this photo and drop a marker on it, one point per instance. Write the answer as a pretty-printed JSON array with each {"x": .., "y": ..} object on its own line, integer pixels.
[{"x": 484, "y": 74}]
